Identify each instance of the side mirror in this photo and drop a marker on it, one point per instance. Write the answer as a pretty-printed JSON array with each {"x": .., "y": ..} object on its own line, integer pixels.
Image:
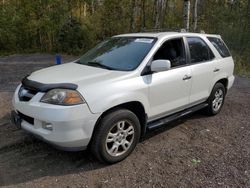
[{"x": 160, "y": 65}]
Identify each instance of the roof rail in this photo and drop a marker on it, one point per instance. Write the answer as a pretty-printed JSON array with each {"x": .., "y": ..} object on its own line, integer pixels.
[
  {"x": 162, "y": 30},
  {"x": 182, "y": 30}
]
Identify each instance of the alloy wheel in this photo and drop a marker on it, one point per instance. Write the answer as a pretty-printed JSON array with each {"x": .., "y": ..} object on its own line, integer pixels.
[
  {"x": 120, "y": 138},
  {"x": 218, "y": 100}
]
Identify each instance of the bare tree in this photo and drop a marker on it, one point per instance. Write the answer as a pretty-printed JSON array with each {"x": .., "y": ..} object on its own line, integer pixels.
[
  {"x": 186, "y": 13},
  {"x": 195, "y": 17},
  {"x": 143, "y": 14},
  {"x": 132, "y": 15},
  {"x": 159, "y": 13},
  {"x": 137, "y": 16},
  {"x": 163, "y": 12},
  {"x": 85, "y": 9},
  {"x": 92, "y": 6}
]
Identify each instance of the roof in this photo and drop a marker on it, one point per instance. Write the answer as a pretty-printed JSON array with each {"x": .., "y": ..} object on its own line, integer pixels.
[{"x": 164, "y": 34}]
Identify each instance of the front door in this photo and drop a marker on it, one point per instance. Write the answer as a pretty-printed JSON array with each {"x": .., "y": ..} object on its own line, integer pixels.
[{"x": 169, "y": 90}]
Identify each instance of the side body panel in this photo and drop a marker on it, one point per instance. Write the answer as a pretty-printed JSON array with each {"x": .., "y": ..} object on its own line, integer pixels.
[
  {"x": 202, "y": 76},
  {"x": 168, "y": 92}
]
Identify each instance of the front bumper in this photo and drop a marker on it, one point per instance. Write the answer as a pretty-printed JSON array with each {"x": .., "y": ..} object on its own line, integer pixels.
[{"x": 71, "y": 127}]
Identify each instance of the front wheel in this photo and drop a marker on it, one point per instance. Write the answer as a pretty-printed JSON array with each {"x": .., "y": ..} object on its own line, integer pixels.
[
  {"x": 116, "y": 136},
  {"x": 216, "y": 99}
]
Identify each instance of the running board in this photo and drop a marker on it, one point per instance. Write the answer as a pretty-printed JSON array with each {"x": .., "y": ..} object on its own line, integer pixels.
[{"x": 165, "y": 120}]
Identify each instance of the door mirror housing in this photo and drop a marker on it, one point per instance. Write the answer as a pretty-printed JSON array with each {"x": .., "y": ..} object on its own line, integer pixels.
[{"x": 160, "y": 65}]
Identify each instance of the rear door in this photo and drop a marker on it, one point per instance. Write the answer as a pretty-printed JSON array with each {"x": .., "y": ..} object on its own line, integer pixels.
[
  {"x": 225, "y": 65},
  {"x": 202, "y": 63}
]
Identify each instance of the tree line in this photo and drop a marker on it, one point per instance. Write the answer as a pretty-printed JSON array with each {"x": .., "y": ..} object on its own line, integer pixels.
[{"x": 73, "y": 26}]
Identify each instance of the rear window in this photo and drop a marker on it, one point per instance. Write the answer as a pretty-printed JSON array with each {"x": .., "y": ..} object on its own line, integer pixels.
[
  {"x": 199, "y": 50},
  {"x": 220, "y": 46}
]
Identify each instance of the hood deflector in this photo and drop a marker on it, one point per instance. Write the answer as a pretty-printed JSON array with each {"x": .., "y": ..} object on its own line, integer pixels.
[{"x": 40, "y": 87}]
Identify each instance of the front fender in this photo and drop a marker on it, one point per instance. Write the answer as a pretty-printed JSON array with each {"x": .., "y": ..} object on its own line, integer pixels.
[
  {"x": 100, "y": 106},
  {"x": 108, "y": 94}
]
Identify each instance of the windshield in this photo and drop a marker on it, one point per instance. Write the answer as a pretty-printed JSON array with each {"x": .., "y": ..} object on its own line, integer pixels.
[{"x": 118, "y": 53}]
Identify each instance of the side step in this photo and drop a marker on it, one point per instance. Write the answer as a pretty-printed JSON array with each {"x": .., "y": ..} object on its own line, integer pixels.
[{"x": 160, "y": 122}]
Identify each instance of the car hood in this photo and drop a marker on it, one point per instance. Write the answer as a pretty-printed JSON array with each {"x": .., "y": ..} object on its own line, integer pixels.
[{"x": 74, "y": 73}]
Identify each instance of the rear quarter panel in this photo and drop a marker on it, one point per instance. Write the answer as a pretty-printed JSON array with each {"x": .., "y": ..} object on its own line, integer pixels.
[{"x": 226, "y": 66}]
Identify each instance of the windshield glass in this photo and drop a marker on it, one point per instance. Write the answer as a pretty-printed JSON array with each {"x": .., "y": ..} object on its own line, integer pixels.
[{"x": 118, "y": 53}]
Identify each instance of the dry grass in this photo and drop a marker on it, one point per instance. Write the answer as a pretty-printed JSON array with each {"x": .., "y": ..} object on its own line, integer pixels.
[{"x": 242, "y": 67}]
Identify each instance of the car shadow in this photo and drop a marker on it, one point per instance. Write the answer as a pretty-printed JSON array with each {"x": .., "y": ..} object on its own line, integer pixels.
[
  {"x": 196, "y": 115},
  {"x": 27, "y": 158}
]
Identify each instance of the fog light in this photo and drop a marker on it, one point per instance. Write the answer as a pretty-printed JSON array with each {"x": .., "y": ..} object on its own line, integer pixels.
[{"x": 47, "y": 126}]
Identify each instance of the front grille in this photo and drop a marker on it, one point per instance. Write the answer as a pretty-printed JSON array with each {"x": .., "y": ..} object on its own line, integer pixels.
[
  {"x": 26, "y": 94},
  {"x": 29, "y": 119}
]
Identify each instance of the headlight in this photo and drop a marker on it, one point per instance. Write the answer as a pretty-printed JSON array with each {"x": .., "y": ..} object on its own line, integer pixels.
[{"x": 62, "y": 97}]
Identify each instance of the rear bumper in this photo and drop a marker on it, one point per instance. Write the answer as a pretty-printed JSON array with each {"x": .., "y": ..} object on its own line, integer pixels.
[
  {"x": 230, "y": 81},
  {"x": 67, "y": 127}
]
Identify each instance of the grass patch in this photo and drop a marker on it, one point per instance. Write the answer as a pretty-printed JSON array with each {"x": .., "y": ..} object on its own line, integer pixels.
[{"x": 242, "y": 68}]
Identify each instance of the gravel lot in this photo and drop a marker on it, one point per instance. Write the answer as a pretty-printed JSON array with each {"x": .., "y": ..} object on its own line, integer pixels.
[{"x": 197, "y": 151}]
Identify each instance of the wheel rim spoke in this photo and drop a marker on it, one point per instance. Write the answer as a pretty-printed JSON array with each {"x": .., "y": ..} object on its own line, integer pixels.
[
  {"x": 126, "y": 145},
  {"x": 130, "y": 130},
  {"x": 214, "y": 102},
  {"x": 220, "y": 92},
  {"x": 110, "y": 137},
  {"x": 121, "y": 125},
  {"x": 114, "y": 149},
  {"x": 216, "y": 94}
]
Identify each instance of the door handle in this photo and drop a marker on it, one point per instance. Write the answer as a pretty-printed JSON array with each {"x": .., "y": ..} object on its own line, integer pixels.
[
  {"x": 186, "y": 77},
  {"x": 216, "y": 70}
]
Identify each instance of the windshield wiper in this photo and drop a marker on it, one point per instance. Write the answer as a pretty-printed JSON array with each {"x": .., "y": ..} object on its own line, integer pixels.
[{"x": 96, "y": 64}]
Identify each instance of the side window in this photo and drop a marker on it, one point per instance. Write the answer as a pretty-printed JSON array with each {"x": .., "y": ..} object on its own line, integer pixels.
[
  {"x": 220, "y": 46},
  {"x": 172, "y": 50},
  {"x": 199, "y": 50}
]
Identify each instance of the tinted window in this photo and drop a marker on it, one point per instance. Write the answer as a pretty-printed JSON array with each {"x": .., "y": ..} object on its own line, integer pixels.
[
  {"x": 199, "y": 50},
  {"x": 172, "y": 50},
  {"x": 118, "y": 53},
  {"x": 220, "y": 46}
]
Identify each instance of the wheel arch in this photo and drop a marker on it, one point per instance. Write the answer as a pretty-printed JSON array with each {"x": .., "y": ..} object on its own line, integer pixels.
[
  {"x": 134, "y": 106},
  {"x": 223, "y": 81}
]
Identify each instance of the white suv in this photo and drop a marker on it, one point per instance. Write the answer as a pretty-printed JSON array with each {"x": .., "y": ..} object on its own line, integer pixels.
[{"x": 128, "y": 84}]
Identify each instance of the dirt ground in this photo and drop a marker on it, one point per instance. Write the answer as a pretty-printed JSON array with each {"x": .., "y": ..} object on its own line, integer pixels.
[{"x": 197, "y": 151}]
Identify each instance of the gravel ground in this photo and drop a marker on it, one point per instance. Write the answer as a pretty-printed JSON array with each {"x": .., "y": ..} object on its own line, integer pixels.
[{"x": 197, "y": 151}]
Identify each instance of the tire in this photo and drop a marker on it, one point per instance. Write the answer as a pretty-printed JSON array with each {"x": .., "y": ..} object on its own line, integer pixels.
[
  {"x": 115, "y": 136},
  {"x": 216, "y": 99}
]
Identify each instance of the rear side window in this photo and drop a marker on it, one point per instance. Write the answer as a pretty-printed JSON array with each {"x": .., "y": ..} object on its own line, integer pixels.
[
  {"x": 220, "y": 46},
  {"x": 199, "y": 50}
]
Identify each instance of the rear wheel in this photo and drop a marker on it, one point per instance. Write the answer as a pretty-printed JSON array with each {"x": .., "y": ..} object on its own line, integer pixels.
[
  {"x": 116, "y": 136},
  {"x": 216, "y": 99}
]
